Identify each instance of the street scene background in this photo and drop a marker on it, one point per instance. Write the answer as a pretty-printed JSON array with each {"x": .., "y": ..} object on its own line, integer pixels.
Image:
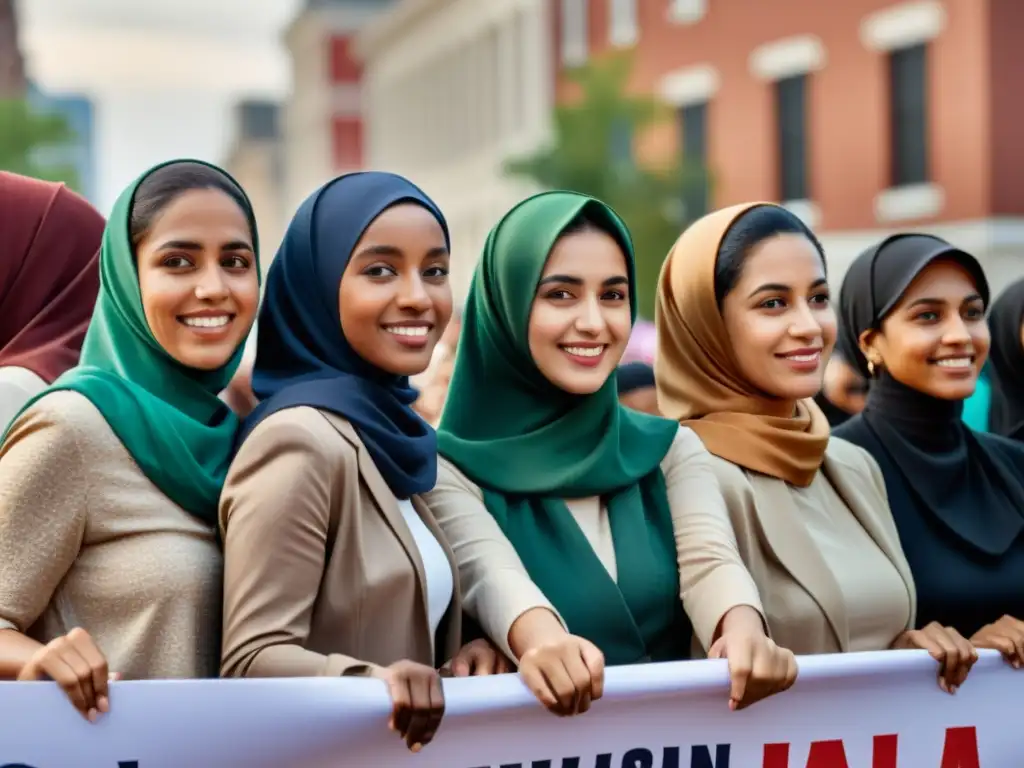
[{"x": 864, "y": 117}]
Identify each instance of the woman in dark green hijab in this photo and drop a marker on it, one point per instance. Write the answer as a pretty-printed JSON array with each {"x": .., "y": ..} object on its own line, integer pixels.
[
  {"x": 603, "y": 505},
  {"x": 110, "y": 479}
]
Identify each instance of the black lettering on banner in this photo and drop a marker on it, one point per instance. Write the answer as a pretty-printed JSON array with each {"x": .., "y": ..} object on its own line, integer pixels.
[
  {"x": 700, "y": 757},
  {"x": 120, "y": 764},
  {"x": 638, "y": 757}
]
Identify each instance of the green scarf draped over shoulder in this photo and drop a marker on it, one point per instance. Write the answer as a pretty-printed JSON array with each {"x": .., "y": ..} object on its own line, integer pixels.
[
  {"x": 530, "y": 445},
  {"x": 168, "y": 416}
]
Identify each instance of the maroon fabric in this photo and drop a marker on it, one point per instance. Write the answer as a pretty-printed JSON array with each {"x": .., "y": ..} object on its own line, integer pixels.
[{"x": 49, "y": 274}]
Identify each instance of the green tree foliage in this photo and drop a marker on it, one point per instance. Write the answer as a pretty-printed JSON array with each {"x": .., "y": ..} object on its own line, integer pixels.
[
  {"x": 31, "y": 141},
  {"x": 591, "y": 152}
]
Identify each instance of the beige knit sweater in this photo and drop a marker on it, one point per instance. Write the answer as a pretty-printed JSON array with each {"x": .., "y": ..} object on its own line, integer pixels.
[{"x": 87, "y": 540}]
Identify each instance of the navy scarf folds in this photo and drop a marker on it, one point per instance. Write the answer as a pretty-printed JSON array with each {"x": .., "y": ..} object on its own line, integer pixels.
[{"x": 302, "y": 356}]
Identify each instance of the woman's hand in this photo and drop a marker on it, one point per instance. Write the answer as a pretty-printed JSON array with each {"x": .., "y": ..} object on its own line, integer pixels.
[
  {"x": 566, "y": 675},
  {"x": 954, "y": 653},
  {"x": 479, "y": 657},
  {"x": 417, "y": 700},
  {"x": 758, "y": 667},
  {"x": 75, "y": 663},
  {"x": 1006, "y": 636}
]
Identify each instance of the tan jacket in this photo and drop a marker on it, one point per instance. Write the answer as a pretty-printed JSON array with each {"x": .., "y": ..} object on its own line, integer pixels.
[
  {"x": 784, "y": 559},
  {"x": 322, "y": 575}
]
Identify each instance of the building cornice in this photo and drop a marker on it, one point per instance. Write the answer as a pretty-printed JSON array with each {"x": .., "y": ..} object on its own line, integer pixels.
[
  {"x": 338, "y": 19},
  {"x": 380, "y": 32}
]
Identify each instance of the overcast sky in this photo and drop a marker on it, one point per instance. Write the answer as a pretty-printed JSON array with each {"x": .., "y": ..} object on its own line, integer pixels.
[{"x": 163, "y": 74}]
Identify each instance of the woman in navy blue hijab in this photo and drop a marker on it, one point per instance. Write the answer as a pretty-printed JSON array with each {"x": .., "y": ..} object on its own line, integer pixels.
[
  {"x": 333, "y": 564},
  {"x": 302, "y": 359}
]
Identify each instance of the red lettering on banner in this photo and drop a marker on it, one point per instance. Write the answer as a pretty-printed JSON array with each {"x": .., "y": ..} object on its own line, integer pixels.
[
  {"x": 827, "y": 754},
  {"x": 961, "y": 748},
  {"x": 959, "y": 751},
  {"x": 823, "y": 754},
  {"x": 775, "y": 756},
  {"x": 884, "y": 751}
]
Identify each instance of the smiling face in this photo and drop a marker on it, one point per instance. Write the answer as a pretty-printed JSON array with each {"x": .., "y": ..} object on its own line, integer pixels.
[
  {"x": 580, "y": 320},
  {"x": 936, "y": 339},
  {"x": 395, "y": 299},
  {"x": 780, "y": 321},
  {"x": 198, "y": 279}
]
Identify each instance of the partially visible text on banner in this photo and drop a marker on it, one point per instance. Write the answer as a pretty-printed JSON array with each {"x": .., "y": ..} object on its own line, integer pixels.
[{"x": 879, "y": 710}]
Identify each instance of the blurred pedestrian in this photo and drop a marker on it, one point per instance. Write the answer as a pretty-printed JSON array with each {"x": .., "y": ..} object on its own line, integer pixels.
[{"x": 49, "y": 279}]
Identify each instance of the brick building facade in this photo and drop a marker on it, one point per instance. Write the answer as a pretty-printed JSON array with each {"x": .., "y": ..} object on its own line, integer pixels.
[
  {"x": 865, "y": 116},
  {"x": 12, "y": 66}
]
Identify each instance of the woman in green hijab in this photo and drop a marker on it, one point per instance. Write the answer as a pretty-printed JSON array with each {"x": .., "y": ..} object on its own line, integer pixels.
[
  {"x": 110, "y": 479},
  {"x": 605, "y": 507}
]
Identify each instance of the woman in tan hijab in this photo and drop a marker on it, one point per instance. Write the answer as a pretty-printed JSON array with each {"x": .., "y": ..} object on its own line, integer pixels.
[{"x": 745, "y": 329}]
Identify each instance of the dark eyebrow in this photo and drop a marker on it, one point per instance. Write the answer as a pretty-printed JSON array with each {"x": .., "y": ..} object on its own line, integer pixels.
[
  {"x": 782, "y": 288},
  {"x": 393, "y": 252},
  {"x": 617, "y": 280},
  {"x": 777, "y": 287},
  {"x": 188, "y": 245},
  {"x": 929, "y": 300}
]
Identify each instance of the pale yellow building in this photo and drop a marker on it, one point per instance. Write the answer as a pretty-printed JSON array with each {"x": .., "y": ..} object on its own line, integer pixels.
[
  {"x": 451, "y": 89},
  {"x": 254, "y": 159},
  {"x": 322, "y": 131}
]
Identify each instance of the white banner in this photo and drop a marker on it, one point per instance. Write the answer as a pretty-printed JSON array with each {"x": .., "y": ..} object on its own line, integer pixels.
[{"x": 874, "y": 710}]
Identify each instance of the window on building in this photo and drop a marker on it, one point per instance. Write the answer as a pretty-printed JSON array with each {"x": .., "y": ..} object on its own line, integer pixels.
[
  {"x": 622, "y": 29},
  {"x": 693, "y": 121},
  {"x": 347, "y": 143},
  {"x": 521, "y": 45},
  {"x": 490, "y": 103},
  {"x": 908, "y": 136},
  {"x": 791, "y": 125},
  {"x": 344, "y": 66},
  {"x": 574, "y": 24},
  {"x": 621, "y": 143}
]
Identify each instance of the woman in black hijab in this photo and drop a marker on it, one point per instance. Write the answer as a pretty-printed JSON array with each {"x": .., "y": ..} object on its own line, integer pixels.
[
  {"x": 1006, "y": 414},
  {"x": 635, "y": 382},
  {"x": 913, "y": 311}
]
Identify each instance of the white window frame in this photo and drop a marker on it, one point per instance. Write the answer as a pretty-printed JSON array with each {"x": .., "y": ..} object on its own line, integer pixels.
[
  {"x": 904, "y": 25},
  {"x": 575, "y": 27},
  {"x": 687, "y": 11},
  {"x": 789, "y": 56},
  {"x": 689, "y": 85},
  {"x": 912, "y": 201},
  {"x": 623, "y": 27},
  {"x": 910, "y": 23}
]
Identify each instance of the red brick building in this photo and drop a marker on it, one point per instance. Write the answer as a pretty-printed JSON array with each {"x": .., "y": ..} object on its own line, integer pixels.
[{"x": 865, "y": 116}]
